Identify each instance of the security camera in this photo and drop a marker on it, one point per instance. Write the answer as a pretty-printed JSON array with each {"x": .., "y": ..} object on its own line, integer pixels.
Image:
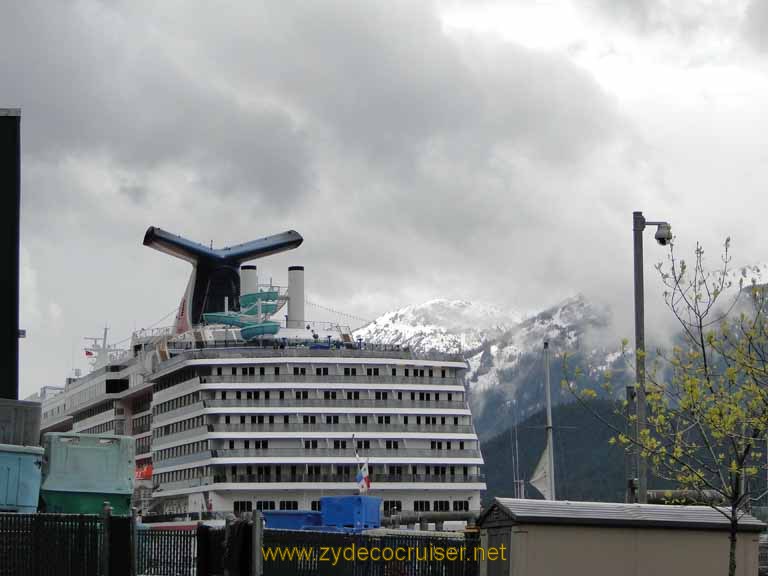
[{"x": 664, "y": 234}]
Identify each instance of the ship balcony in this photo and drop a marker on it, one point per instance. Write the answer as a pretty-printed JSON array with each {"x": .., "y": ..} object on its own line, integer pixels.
[
  {"x": 436, "y": 384},
  {"x": 292, "y": 403},
  {"x": 334, "y": 403},
  {"x": 356, "y": 428},
  {"x": 331, "y": 378},
  {"x": 298, "y": 428},
  {"x": 303, "y": 453},
  {"x": 194, "y": 383},
  {"x": 378, "y": 478},
  {"x": 457, "y": 479},
  {"x": 181, "y": 411},
  {"x": 183, "y": 435},
  {"x": 348, "y": 453},
  {"x": 80, "y": 423},
  {"x": 216, "y": 350},
  {"x": 300, "y": 348},
  {"x": 142, "y": 428}
]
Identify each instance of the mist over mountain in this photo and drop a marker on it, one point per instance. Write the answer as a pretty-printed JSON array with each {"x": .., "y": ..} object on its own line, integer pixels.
[{"x": 504, "y": 350}]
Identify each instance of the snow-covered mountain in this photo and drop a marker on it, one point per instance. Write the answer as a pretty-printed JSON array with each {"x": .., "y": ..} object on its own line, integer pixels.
[
  {"x": 503, "y": 348},
  {"x": 440, "y": 325}
]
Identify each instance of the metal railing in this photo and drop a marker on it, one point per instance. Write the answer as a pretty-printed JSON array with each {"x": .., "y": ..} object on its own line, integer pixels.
[
  {"x": 181, "y": 484},
  {"x": 153, "y": 332},
  {"x": 316, "y": 478},
  {"x": 94, "y": 419},
  {"x": 69, "y": 545},
  {"x": 196, "y": 382},
  {"x": 255, "y": 428},
  {"x": 160, "y": 463},
  {"x": 160, "y": 419},
  {"x": 294, "y": 349},
  {"x": 329, "y": 378},
  {"x": 161, "y": 552},
  {"x": 370, "y": 427},
  {"x": 348, "y": 452},
  {"x": 176, "y": 436},
  {"x": 176, "y": 390},
  {"x": 140, "y": 428},
  {"x": 333, "y": 403},
  {"x": 194, "y": 407}
]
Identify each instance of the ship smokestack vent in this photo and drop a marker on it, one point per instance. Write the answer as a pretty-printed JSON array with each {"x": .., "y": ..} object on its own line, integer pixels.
[
  {"x": 248, "y": 279},
  {"x": 295, "y": 297}
]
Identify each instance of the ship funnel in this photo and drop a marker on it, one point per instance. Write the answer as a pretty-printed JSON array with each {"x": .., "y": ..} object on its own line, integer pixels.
[
  {"x": 248, "y": 279},
  {"x": 295, "y": 297},
  {"x": 215, "y": 272}
]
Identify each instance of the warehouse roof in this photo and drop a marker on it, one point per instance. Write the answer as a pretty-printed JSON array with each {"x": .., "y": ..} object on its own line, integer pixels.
[{"x": 519, "y": 511}]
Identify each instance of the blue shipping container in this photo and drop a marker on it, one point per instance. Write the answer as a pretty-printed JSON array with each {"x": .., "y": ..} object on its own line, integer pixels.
[
  {"x": 20, "y": 477},
  {"x": 292, "y": 519},
  {"x": 351, "y": 512}
]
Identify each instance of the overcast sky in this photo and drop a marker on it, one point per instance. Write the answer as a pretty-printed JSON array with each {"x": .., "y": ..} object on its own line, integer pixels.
[{"x": 486, "y": 151}]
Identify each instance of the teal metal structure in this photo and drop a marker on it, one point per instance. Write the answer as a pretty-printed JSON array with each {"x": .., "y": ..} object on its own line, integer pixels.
[{"x": 82, "y": 471}]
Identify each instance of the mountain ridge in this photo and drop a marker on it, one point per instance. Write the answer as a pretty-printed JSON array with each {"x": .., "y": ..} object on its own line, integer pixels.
[{"x": 503, "y": 349}]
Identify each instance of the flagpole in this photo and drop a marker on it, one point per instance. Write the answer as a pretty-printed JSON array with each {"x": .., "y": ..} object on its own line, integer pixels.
[
  {"x": 550, "y": 442},
  {"x": 518, "y": 479}
]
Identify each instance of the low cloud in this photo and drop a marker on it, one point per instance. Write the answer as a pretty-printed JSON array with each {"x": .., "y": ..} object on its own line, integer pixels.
[{"x": 415, "y": 163}]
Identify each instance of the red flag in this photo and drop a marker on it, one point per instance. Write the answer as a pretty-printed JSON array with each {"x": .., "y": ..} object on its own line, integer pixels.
[{"x": 88, "y": 353}]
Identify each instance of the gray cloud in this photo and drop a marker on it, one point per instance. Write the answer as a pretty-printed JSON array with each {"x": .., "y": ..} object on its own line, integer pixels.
[
  {"x": 414, "y": 164},
  {"x": 755, "y": 25},
  {"x": 682, "y": 20},
  {"x": 642, "y": 15},
  {"x": 98, "y": 82}
]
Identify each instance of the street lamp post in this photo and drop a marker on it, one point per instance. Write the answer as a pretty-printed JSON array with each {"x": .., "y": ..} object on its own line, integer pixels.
[{"x": 637, "y": 484}]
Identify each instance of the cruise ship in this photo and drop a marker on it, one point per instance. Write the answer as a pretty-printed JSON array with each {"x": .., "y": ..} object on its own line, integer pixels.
[{"x": 246, "y": 404}]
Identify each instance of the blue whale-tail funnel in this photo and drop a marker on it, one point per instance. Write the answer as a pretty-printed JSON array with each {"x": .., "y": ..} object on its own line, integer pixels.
[{"x": 216, "y": 271}]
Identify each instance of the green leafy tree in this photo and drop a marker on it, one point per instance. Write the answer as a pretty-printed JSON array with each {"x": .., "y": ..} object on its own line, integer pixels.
[{"x": 707, "y": 396}]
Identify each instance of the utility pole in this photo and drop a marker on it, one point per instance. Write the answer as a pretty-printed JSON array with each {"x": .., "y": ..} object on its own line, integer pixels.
[
  {"x": 637, "y": 486},
  {"x": 550, "y": 438},
  {"x": 641, "y": 494}
]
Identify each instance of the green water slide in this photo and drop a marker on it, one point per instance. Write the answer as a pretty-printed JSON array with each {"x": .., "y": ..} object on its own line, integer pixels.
[
  {"x": 266, "y": 308},
  {"x": 262, "y": 329},
  {"x": 249, "y": 320},
  {"x": 228, "y": 319},
  {"x": 248, "y": 300}
]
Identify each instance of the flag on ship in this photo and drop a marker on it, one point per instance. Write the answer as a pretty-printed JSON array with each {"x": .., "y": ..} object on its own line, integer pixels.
[
  {"x": 88, "y": 353},
  {"x": 362, "y": 478}
]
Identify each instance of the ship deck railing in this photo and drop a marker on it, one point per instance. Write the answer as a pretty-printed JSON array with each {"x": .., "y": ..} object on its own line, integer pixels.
[
  {"x": 457, "y": 479},
  {"x": 334, "y": 403},
  {"x": 201, "y": 431},
  {"x": 314, "y": 402},
  {"x": 347, "y": 427},
  {"x": 299, "y": 348},
  {"x": 447, "y": 455},
  {"x": 363, "y": 380},
  {"x": 329, "y": 378}
]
